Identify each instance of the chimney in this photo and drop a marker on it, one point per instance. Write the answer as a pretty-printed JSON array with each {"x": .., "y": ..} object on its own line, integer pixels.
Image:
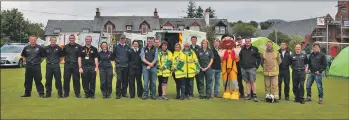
[
  {"x": 156, "y": 16},
  {"x": 98, "y": 14},
  {"x": 207, "y": 17}
]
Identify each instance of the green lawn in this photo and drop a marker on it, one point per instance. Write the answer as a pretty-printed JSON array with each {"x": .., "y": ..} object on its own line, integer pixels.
[{"x": 14, "y": 107}]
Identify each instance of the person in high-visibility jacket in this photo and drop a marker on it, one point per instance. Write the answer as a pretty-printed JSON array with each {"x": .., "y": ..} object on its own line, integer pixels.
[
  {"x": 178, "y": 71},
  {"x": 164, "y": 66},
  {"x": 191, "y": 68}
]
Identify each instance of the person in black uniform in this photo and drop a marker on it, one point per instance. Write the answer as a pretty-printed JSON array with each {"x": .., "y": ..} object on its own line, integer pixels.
[
  {"x": 53, "y": 54},
  {"x": 71, "y": 68},
  {"x": 135, "y": 71},
  {"x": 121, "y": 54},
  {"x": 284, "y": 70},
  {"x": 88, "y": 66},
  {"x": 32, "y": 55},
  {"x": 196, "y": 49},
  {"x": 105, "y": 70},
  {"x": 298, "y": 63}
]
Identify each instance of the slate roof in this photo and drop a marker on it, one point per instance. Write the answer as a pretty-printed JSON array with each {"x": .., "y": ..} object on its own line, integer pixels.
[
  {"x": 120, "y": 23},
  {"x": 67, "y": 26},
  {"x": 298, "y": 27}
]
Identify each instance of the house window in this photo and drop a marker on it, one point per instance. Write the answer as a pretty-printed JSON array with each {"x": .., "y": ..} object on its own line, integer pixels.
[
  {"x": 144, "y": 29},
  {"x": 343, "y": 9},
  {"x": 56, "y": 31},
  {"x": 109, "y": 28},
  {"x": 86, "y": 30},
  {"x": 181, "y": 27},
  {"x": 220, "y": 29},
  {"x": 129, "y": 27},
  {"x": 167, "y": 27},
  {"x": 195, "y": 28}
]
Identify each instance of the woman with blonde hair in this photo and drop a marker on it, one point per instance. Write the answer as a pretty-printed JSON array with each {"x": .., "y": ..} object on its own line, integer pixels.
[{"x": 205, "y": 58}]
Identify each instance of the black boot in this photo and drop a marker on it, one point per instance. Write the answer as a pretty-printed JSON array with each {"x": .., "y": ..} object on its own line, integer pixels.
[
  {"x": 42, "y": 96},
  {"x": 60, "y": 94},
  {"x": 48, "y": 94}
]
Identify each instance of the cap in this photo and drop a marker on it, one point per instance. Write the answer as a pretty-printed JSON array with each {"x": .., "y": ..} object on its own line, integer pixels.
[
  {"x": 164, "y": 42},
  {"x": 122, "y": 37}
]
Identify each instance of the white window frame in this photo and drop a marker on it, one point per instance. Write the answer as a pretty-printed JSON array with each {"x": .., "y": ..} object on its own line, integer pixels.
[
  {"x": 222, "y": 29},
  {"x": 57, "y": 31},
  {"x": 86, "y": 30},
  {"x": 109, "y": 28},
  {"x": 195, "y": 28},
  {"x": 217, "y": 28},
  {"x": 181, "y": 27},
  {"x": 167, "y": 28},
  {"x": 146, "y": 29},
  {"x": 129, "y": 27}
]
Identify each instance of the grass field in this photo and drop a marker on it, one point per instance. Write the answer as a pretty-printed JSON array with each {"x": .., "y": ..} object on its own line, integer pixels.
[{"x": 14, "y": 107}]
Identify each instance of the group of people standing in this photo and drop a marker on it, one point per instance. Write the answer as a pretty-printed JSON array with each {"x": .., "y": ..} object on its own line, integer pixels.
[{"x": 155, "y": 61}]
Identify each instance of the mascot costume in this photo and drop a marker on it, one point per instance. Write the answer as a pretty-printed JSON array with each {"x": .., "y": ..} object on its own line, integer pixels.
[{"x": 229, "y": 68}]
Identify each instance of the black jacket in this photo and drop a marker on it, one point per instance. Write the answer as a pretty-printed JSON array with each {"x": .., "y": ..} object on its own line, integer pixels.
[
  {"x": 216, "y": 65},
  {"x": 317, "y": 62},
  {"x": 105, "y": 59},
  {"x": 285, "y": 60},
  {"x": 53, "y": 54},
  {"x": 72, "y": 52},
  {"x": 298, "y": 61},
  {"x": 135, "y": 59},
  {"x": 249, "y": 57},
  {"x": 120, "y": 54}
]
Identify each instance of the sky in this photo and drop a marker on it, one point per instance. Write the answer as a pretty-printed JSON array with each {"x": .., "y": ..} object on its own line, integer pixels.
[{"x": 42, "y": 11}]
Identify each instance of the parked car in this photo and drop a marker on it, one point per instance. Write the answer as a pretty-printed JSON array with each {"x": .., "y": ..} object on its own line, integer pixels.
[{"x": 11, "y": 54}]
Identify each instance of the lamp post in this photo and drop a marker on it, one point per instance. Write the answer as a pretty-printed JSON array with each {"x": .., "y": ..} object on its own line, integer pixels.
[{"x": 327, "y": 22}]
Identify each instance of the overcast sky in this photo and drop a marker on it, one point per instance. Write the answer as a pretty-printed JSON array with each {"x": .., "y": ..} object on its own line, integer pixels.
[{"x": 232, "y": 10}]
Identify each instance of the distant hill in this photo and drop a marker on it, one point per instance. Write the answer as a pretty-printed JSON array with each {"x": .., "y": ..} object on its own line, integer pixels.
[{"x": 275, "y": 20}]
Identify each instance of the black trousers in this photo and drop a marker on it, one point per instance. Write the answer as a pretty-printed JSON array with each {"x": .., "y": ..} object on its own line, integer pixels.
[
  {"x": 198, "y": 83},
  {"x": 33, "y": 72},
  {"x": 240, "y": 82},
  {"x": 71, "y": 69},
  {"x": 284, "y": 76},
  {"x": 122, "y": 81},
  {"x": 180, "y": 86},
  {"x": 53, "y": 70},
  {"x": 106, "y": 78},
  {"x": 298, "y": 79},
  {"x": 189, "y": 85},
  {"x": 135, "y": 75},
  {"x": 162, "y": 81},
  {"x": 89, "y": 80}
]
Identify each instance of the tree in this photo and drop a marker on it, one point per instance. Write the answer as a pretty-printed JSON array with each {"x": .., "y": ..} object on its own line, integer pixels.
[
  {"x": 15, "y": 28},
  {"x": 191, "y": 10},
  {"x": 254, "y": 23},
  {"x": 280, "y": 37},
  {"x": 294, "y": 41},
  {"x": 244, "y": 30},
  {"x": 212, "y": 12},
  {"x": 12, "y": 25},
  {"x": 265, "y": 25},
  {"x": 210, "y": 35},
  {"x": 199, "y": 13}
]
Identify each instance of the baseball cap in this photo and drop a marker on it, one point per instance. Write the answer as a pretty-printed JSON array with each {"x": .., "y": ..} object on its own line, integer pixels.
[{"x": 122, "y": 37}]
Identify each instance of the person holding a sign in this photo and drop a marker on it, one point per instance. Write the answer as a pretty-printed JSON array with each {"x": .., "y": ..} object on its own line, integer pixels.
[
  {"x": 205, "y": 56},
  {"x": 88, "y": 66}
]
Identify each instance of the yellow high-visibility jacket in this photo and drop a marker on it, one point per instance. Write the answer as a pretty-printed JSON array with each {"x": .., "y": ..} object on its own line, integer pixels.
[
  {"x": 164, "y": 61},
  {"x": 191, "y": 63},
  {"x": 178, "y": 63}
]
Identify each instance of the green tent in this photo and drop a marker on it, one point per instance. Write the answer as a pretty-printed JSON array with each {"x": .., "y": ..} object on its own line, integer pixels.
[
  {"x": 340, "y": 64},
  {"x": 261, "y": 44}
]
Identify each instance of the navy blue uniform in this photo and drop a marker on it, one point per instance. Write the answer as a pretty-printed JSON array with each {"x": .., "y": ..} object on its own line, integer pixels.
[
  {"x": 88, "y": 55},
  {"x": 53, "y": 55},
  {"x": 105, "y": 72}
]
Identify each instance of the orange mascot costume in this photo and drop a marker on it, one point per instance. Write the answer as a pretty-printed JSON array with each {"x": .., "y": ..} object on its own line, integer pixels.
[{"x": 229, "y": 68}]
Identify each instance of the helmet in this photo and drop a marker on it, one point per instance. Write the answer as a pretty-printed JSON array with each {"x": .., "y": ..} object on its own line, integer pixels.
[{"x": 270, "y": 98}]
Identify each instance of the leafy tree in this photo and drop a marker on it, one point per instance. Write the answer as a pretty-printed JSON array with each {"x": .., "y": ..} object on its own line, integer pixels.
[
  {"x": 191, "y": 10},
  {"x": 265, "y": 25},
  {"x": 280, "y": 37},
  {"x": 212, "y": 12},
  {"x": 254, "y": 23},
  {"x": 210, "y": 35},
  {"x": 244, "y": 30},
  {"x": 199, "y": 12},
  {"x": 15, "y": 28},
  {"x": 13, "y": 25},
  {"x": 294, "y": 41}
]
